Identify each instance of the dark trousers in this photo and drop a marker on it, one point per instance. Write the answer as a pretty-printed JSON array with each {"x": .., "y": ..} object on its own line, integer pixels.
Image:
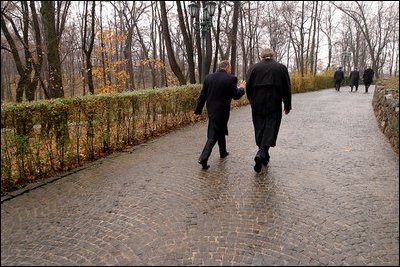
[
  {"x": 366, "y": 87},
  {"x": 337, "y": 85},
  {"x": 209, "y": 146},
  {"x": 263, "y": 153},
  {"x": 351, "y": 87}
]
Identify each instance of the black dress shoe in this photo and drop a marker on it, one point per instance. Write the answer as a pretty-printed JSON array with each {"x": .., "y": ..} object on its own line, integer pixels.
[
  {"x": 224, "y": 155},
  {"x": 258, "y": 166},
  {"x": 204, "y": 165}
]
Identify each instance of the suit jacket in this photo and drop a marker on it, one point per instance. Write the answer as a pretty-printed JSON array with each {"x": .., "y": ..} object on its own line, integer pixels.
[
  {"x": 268, "y": 84},
  {"x": 218, "y": 91}
]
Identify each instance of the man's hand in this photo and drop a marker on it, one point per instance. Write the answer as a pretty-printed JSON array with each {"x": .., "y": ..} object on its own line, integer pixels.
[
  {"x": 242, "y": 84},
  {"x": 195, "y": 117},
  {"x": 286, "y": 111}
]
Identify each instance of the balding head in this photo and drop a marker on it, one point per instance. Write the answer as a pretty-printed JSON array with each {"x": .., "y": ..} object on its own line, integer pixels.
[
  {"x": 267, "y": 53},
  {"x": 225, "y": 65}
]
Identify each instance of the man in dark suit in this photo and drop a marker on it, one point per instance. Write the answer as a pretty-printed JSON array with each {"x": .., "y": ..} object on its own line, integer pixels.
[
  {"x": 354, "y": 78},
  {"x": 267, "y": 85},
  {"x": 218, "y": 91},
  {"x": 368, "y": 77},
  {"x": 338, "y": 77}
]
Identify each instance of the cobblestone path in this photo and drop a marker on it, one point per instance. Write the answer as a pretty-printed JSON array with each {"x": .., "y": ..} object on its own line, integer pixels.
[{"x": 330, "y": 196}]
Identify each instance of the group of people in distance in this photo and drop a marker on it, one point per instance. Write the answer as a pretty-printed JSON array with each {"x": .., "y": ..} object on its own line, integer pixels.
[
  {"x": 267, "y": 85},
  {"x": 354, "y": 78}
]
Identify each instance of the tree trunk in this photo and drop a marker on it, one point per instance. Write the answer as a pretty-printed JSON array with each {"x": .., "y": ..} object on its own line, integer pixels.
[
  {"x": 23, "y": 71},
  {"x": 188, "y": 43},
  {"x": 312, "y": 51},
  {"x": 300, "y": 55},
  {"x": 217, "y": 46},
  {"x": 39, "y": 50},
  {"x": 88, "y": 49},
  {"x": 168, "y": 43},
  {"x": 244, "y": 54},
  {"x": 103, "y": 56},
  {"x": 55, "y": 79},
  {"x": 154, "y": 43},
  {"x": 129, "y": 59},
  {"x": 235, "y": 21},
  {"x": 89, "y": 68}
]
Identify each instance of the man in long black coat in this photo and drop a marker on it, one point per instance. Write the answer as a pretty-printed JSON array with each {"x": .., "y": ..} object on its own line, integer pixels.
[
  {"x": 267, "y": 85},
  {"x": 218, "y": 91},
  {"x": 354, "y": 78},
  {"x": 368, "y": 77},
  {"x": 338, "y": 77}
]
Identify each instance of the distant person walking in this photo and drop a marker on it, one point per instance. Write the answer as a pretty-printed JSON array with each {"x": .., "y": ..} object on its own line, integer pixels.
[
  {"x": 354, "y": 79},
  {"x": 338, "y": 77},
  {"x": 368, "y": 78},
  {"x": 267, "y": 85},
  {"x": 218, "y": 91}
]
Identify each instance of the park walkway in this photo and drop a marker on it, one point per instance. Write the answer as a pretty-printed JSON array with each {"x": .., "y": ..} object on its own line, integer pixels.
[{"x": 330, "y": 196}]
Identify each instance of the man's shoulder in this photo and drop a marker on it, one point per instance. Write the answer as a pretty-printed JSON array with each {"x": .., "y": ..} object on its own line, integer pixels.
[
  {"x": 219, "y": 75},
  {"x": 211, "y": 76},
  {"x": 282, "y": 65},
  {"x": 273, "y": 63},
  {"x": 256, "y": 65}
]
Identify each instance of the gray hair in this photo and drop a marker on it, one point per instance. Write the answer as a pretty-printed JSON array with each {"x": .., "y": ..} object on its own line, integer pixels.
[
  {"x": 267, "y": 53},
  {"x": 224, "y": 64}
]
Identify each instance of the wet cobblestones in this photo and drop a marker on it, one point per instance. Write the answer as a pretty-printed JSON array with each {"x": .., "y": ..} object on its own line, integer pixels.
[{"x": 330, "y": 196}]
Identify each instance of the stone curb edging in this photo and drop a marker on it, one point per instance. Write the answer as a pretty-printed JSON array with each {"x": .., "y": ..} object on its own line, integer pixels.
[{"x": 386, "y": 108}]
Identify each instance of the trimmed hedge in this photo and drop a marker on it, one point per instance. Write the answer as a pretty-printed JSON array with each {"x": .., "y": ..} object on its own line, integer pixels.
[{"x": 41, "y": 138}]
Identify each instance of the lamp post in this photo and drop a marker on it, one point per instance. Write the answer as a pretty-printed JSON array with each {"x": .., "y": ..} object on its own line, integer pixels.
[
  {"x": 202, "y": 24},
  {"x": 346, "y": 55}
]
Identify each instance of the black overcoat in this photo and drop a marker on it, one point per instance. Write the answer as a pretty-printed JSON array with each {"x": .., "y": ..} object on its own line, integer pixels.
[
  {"x": 218, "y": 91},
  {"x": 338, "y": 76},
  {"x": 354, "y": 78},
  {"x": 267, "y": 85},
  {"x": 368, "y": 76}
]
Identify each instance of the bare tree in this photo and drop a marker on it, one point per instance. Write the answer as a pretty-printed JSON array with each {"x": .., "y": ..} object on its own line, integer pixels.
[
  {"x": 88, "y": 33},
  {"x": 171, "y": 56},
  {"x": 226, "y": 31},
  {"x": 54, "y": 26},
  {"x": 188, "y": 42},
  {"x": 243, "y": 35},
  {"x": 26, "y": 84},
  {"x": 7, "y": 76},
  {"x": 375, "y": 29},
  {"x": 394, "y": 46},
  {"x": 314, "y": 17},
  {"x": 216, "y": 33},
  {"x": 276, "y": 32},
  {"x": 328, "y": 29},
  {"x": 102, "y": 45},
  {"x": 233, "y": 36}
]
